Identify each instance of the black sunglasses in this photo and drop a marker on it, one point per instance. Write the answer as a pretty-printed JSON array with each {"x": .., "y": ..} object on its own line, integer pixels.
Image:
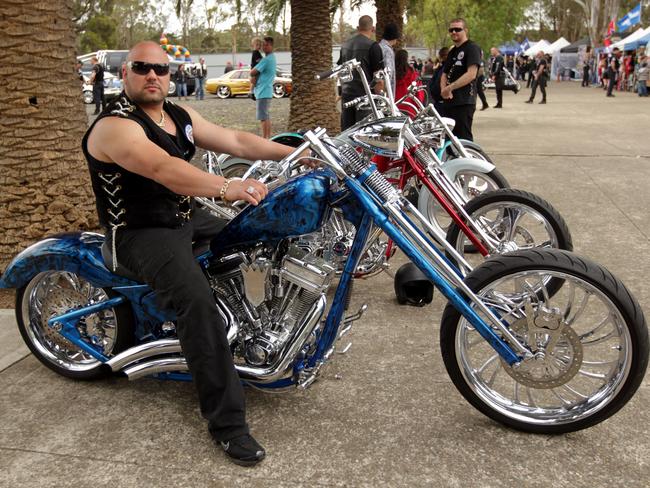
[
  {"x": 142, "y": 68},
  {"x": 456, "y": 29}
]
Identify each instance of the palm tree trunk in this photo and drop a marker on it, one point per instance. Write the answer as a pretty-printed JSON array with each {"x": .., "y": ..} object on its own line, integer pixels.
[
  {"x": 44, "y": 180},
  {"x": 390, "y": 11},
  {"x": 312, "y": 102}
]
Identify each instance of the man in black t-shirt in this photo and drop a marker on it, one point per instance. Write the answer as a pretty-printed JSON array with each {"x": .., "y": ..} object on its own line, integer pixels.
[
  {"x": 97, "y": 81},
  {"x": 364, "y": 49},
  {"x": 540, "y": 77},
  {"x": 497, "y": 75},
  {"x": 458, "y": 81},
  {"x": 613, "y": 66}
]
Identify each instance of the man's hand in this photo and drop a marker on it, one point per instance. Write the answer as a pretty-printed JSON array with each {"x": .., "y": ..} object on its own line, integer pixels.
[
  {"x": 446, "y": 93},
  {"x": 306, "y": 159},
  {"x": 249, "y": 190}
]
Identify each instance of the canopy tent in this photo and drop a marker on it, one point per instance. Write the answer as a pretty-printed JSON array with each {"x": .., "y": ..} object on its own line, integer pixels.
[
  {"x": 510, "y": 48},
  {"x": 535, "y": 48},
  {"x": 575, "y": 46},
  {"x": 556, "y": 46},
  {"x": 637, "y": 43},
  {"x": 636, "y": 35}
]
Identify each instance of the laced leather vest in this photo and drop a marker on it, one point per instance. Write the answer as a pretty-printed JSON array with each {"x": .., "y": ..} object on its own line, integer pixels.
[{"x": 126, "y": 200}]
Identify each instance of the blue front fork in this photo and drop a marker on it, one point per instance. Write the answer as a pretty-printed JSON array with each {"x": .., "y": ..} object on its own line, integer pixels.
[{"x": 376, "y": 213}]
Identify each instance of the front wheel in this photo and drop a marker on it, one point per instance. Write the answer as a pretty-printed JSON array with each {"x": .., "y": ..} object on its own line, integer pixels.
[
  {"x": 514, "y": 220},
  {"x": 53, "y": 293},
  {"x": 471, "y": 183},
  {"x": 589, "y": 340},
  {"x": 223, "y": 92},
  {"x": 278, "y": 90}
]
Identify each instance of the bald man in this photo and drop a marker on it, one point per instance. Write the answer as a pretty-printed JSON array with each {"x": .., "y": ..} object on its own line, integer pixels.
[
  {"x": 364, "y": 49},
  {"x": 138, "y": 152}
]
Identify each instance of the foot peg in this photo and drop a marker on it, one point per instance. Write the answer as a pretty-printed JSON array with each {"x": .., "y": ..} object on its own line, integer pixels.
[{"x": 347, "y": 321}]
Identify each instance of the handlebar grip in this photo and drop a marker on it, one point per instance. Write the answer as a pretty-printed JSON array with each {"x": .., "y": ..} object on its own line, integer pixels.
[
  {"x": 354, "y": 102},
  {"x": 324, "y": 75}
]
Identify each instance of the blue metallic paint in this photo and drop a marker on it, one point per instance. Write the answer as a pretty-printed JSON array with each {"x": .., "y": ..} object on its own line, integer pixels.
[
  {"x": 78, "y": 252},
  {"x": 296, "y": 208}
]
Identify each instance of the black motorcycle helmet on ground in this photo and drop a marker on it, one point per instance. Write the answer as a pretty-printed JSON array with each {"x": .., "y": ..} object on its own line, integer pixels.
[{"x": 412, "y": 287}]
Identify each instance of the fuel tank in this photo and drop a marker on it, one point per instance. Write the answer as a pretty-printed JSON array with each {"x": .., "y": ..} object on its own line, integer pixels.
[{"x": 298, "y": 207}]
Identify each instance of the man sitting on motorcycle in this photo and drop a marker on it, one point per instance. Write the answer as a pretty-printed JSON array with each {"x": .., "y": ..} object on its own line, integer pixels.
[{"x": 138, "y": 152}]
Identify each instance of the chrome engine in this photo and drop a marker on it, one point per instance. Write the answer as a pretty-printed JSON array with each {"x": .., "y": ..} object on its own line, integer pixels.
[{"x": 288, "y": 289}]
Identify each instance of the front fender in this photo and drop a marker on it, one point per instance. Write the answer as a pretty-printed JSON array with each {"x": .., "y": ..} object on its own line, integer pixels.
[
  {"x": 452, "y": 167},
  {"x": 76, "y": 252}
]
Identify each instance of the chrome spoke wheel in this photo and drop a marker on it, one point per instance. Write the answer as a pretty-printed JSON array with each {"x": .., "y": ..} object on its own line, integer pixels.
[
  {"x": 53, "y": 293},
  {"x": 581, "y": 344}
]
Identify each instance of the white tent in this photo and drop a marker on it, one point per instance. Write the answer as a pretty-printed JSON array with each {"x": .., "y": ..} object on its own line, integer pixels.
[
  {"x": 556, "y": 46},
  {"x": 637, "y": 34},
  {"x": 535, "y": 48}
]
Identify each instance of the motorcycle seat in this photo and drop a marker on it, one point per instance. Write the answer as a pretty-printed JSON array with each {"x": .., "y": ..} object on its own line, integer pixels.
[{"x": 198, "y": 248}]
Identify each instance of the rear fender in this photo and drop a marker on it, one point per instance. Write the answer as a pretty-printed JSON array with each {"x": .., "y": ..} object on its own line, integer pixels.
[{"x": 77, "y": 252}]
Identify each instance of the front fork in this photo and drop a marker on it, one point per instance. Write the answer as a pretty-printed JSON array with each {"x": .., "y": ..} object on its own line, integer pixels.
[{"x": 418, "y": 248}]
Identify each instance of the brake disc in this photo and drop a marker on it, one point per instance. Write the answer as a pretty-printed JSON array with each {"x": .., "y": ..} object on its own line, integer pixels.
[
  {"x": 57, "y": 302},
  {"x": 547, "y": 370}
]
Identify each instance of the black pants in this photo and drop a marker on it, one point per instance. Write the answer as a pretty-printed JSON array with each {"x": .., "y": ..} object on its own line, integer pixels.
[
  {"x": 541, "y": 82},
  {"x": 530, "y": 80},
  {"x": 611, "y": 83},
  {"x": 585, "y": 76},
  {"x": 98, "y": 96},
  {"x": 479, "y": 90},
  {"x": 464, "y": 116},
  {"x": 499, "y": 84},
  {"x": 163, "y": 258},
  {"x": 350, "y": 116}
]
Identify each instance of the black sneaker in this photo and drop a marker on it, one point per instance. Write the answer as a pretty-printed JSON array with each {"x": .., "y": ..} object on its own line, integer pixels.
[
  {"x": 243, "y": 450},
  {"x": 528, "y": 101},
  {"x": 485, "y": 107},
  {"x": 542, "y": 102},
  {"x": 498, "y": 105}
]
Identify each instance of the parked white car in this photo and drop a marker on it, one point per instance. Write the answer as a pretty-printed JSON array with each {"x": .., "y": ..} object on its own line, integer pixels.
[{"x": 112, "y": 87}]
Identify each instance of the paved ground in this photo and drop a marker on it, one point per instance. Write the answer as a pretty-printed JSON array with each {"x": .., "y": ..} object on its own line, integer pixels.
[{"x": 393, "y": 418}]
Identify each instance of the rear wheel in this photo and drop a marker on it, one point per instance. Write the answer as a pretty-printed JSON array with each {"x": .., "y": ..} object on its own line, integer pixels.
[
  {"x": 53, "y": 293},
  {"x": 589, "y": 340}
]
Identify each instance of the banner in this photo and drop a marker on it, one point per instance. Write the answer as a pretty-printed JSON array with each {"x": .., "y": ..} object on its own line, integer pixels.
[
  {"x": 631, "y": 18},
  {"x": 610, "y": 30}
]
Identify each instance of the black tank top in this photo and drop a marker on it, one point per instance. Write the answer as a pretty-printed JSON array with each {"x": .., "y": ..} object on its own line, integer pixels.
[{"x": 127, "y": 200}]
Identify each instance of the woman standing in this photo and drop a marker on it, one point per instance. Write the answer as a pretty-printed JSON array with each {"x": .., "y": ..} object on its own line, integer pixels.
[
  {"x": 181, "y": 82},
  {"x": 405, "y": 75}
]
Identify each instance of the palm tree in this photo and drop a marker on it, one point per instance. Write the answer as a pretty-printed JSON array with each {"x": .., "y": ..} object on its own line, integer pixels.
[
  {"x": 43, "y": 176},
  {"x": 389, "y": 11},
  {"x": 312, "y": 102}
]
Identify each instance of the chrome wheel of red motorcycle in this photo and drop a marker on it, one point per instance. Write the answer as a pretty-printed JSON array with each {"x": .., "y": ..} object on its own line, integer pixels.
[{"x": 53, "y": 293}]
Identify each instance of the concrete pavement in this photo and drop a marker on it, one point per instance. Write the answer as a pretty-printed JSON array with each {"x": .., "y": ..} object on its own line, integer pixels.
[{"x": 393, "y": 418}]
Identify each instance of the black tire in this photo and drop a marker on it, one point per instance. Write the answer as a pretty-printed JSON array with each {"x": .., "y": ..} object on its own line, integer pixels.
[
  {"x": 45, "y": 351},
  {"x": 596, "y": 278},
  {"x": 516, "y": 198}
]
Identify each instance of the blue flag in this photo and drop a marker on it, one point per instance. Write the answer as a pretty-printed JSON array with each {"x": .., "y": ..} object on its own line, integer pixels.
[
  {"x": 631, "y": 18},
  {"x": 524, "y": 45}
]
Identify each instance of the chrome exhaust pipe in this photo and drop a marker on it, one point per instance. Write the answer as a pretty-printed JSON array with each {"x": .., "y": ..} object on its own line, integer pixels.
[{"x": 179, "y": 364}]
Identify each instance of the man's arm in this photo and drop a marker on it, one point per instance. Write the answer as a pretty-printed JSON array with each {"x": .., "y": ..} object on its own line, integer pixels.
[
  {"x": 138, "y": 154},
  {"x": 238, "y": 143},
  {"x": 376, "y": 57},
  {"x": 466, "y": 79}
]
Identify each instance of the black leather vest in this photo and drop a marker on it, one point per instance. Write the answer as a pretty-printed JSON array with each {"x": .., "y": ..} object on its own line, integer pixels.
[
  {"x": 357, "y": 47},
  {"x": 127, "y": 200}
]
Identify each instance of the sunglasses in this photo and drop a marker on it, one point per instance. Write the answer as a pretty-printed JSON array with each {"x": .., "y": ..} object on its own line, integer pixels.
[
  {"x": 456, "y": 29},
  {"x": 141, "y": 68}
]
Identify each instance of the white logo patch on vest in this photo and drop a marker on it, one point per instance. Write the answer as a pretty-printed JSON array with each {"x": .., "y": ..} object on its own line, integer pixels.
[
  {"x": 461, "y": 55},
  {"x": 189, "y": 133}
]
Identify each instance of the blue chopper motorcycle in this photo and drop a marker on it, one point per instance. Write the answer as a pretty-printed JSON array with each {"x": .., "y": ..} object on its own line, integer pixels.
[{"x": 536, "y": 357}]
